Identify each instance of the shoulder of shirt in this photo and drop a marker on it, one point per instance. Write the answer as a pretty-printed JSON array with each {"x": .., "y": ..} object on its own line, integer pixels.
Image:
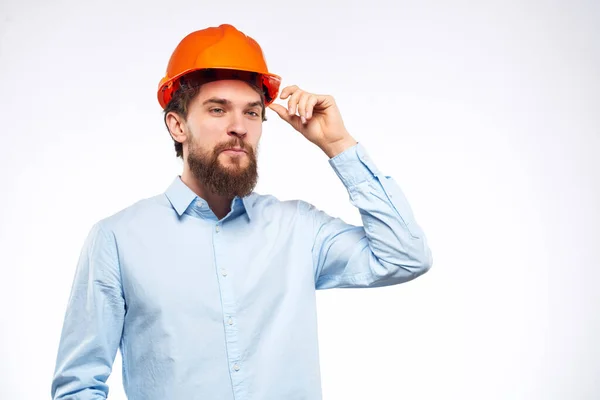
[
  {"x": 275, "y": 206},
  {"x": 141, "y": 209},
  {"x": 262, "y": 201}
]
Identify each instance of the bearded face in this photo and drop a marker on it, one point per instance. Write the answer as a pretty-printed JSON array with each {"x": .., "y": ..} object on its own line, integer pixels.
[{"x": 223, "y": 172}]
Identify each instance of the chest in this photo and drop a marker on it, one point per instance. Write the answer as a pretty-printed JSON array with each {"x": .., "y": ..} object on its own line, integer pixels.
[{"x": 203, "y": 268}]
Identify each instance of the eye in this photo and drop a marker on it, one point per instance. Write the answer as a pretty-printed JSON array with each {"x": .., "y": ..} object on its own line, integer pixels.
[
  {"x": 217, "y": 110},
  {"x": 253, "y": 113}
]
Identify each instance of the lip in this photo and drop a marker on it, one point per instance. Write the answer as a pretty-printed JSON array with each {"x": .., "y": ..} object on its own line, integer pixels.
[{"x": 234, "y": 150}]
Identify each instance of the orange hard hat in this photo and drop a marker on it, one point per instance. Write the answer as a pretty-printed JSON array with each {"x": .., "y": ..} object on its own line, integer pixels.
[{"x": 222, "y": 47}]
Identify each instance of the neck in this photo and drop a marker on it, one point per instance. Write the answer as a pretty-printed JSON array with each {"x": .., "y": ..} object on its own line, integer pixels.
[{"x": 220, "y": 205}]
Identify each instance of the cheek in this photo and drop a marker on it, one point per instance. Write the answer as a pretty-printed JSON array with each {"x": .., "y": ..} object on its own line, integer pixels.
[
  {"x": 208, "y": 132},
  {"x": 211, "y": 127},
  {"x": 255, "y": 131}
]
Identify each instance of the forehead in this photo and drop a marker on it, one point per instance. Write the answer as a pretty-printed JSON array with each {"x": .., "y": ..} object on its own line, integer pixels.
[{"x": 236, "y": 91}]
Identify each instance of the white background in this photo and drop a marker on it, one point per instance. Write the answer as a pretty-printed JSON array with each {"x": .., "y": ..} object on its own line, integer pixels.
[{"x": 486, "y": 114}]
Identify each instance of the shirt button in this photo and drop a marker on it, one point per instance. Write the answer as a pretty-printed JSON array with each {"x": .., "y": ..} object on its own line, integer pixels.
[
  {"x": 223, "y": 272},
  {"x": 217, "y": 228},
  {"x": 230, "y": 321},
  {"x": 236, "y": 367}
]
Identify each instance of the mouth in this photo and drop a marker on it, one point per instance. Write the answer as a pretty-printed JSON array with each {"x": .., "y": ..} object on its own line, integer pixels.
[{"x": 234, "y": 151}]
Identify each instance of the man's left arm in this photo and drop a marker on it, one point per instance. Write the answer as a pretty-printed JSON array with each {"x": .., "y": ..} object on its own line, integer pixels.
[{"x": 390, "y": 247}]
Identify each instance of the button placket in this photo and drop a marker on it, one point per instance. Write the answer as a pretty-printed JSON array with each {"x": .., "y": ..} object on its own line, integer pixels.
[{"x": 226, "y": 277}]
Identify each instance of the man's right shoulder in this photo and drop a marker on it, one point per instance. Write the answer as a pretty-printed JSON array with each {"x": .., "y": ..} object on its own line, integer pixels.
[{"x": 143, "y": 210}]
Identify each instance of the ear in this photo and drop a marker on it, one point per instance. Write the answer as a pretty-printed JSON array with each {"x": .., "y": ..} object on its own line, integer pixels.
[{"x": 177, "y": 126}]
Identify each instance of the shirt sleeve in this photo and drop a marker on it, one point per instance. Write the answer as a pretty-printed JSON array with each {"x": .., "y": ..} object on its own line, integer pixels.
[
  {"x": 93, "y": 322},
  {"x": 390, "y": 248}
]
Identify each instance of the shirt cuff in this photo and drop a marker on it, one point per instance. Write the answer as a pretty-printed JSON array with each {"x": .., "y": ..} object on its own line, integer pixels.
[{"x": 354, "y": 166}]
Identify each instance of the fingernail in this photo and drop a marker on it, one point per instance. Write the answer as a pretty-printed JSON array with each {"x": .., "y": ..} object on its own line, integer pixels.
[{"x": 303, "y": 120}]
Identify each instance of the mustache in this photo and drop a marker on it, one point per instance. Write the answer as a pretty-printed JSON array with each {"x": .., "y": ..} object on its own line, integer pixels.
[{"x": 233, "y": 143}]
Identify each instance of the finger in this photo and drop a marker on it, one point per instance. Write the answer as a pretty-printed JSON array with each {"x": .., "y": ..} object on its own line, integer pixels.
[
  {"x": 293, "y": 101},
  {"x": 302, "y": 104},
  {"x": 293, "y": 120},
  {"x": 288, "y": 90},
  {"x": 310, "y": 105},
  {"x": 280, "y": 110}
]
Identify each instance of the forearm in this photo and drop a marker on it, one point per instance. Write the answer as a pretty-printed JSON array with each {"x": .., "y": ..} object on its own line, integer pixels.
[
  {"x": 394, "y": 234},
  {"x": 389, "y": 248}
]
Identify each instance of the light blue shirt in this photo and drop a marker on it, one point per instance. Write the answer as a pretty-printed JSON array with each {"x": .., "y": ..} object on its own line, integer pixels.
[{"x": 225, "y": 309}]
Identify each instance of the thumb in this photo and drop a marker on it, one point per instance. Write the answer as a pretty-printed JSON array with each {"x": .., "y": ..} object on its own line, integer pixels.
[{"x": 293, "y": 120}]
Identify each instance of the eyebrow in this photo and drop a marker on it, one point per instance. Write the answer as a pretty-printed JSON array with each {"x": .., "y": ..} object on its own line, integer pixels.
[{"x": 226, "y": 102}]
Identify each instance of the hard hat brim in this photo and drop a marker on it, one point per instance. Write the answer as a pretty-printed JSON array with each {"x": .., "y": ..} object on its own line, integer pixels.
[{"x": 168, "y": 85}]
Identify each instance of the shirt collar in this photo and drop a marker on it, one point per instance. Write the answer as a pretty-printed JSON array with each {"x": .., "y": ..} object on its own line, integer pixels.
[{"x": 181, "y": 197}]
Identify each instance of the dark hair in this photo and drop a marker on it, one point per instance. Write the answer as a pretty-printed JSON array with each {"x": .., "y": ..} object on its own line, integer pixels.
[{"x": 189, "y": 88}]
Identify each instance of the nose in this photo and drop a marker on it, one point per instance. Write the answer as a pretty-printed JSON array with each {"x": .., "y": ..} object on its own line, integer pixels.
[{"x": 237, "y": 126}]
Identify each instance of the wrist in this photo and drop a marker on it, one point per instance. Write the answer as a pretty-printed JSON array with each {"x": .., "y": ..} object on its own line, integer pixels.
[{"x": 339, "y": 146}]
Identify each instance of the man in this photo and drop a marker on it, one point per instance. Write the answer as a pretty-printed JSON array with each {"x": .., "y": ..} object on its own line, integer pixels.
[{"x": 209, "y": 288}]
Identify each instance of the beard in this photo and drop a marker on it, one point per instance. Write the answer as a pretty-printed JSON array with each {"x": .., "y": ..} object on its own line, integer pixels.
[{"x": 228, "y": 181}]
